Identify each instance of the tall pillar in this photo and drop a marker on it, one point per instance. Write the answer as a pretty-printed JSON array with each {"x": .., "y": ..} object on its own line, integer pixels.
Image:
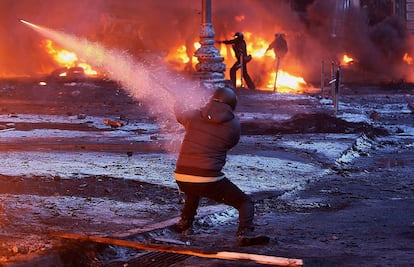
[{"x": 210, "y": 68}]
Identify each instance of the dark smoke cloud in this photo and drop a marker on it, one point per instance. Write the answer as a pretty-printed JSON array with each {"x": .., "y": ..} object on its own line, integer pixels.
[
  {"x": 157, "y": 25},
  {"x": 379, "y": 48}
]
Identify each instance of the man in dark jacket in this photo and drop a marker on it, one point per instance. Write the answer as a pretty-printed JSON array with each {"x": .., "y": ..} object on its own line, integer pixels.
[
  {"x": 280, "y": 48},
  {"x": 210, "y": 132},
  {"x": 240, "y": 52},
  {"x": 279, "y": 45}
]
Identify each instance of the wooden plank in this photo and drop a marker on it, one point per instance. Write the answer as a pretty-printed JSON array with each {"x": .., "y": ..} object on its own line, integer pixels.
[
  {"x": 225, "y": 255},
  {"x": 202, "y": 211},
  {"x": 7, "y": 129}
]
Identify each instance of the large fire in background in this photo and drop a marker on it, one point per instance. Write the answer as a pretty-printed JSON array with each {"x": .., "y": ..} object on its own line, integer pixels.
[
  {"x": 67, "y": 59},
  {"x": 381, "y": 50},
  {"x": 180, "y": 59},
  {"x": 256, "y": 46}
]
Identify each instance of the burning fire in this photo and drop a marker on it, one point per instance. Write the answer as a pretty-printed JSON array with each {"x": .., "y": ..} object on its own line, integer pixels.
[
  {"x": 179, "y": 59},
  {"x": 347, "y": 59},
  {"x": 408, "y": 59},
  {"x": 67, "y": 59},
  {"x": 285, "y": 82}
]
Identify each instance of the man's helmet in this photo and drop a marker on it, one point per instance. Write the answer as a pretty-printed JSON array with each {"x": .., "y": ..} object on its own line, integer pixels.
[
  {"x": 225, "y": 95},
  {"x": 238, "y": 35}
]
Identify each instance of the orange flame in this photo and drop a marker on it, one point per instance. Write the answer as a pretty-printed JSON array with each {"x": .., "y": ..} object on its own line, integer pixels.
[
  {"x": 347, "y": 59},
  {"x": 178, "y": 57},
  {"x": 67, "y": 59},
  {"x": 408, "y": 59},
  {"x": 256, "y": 46},
  {"x": 286, "y": 83}
]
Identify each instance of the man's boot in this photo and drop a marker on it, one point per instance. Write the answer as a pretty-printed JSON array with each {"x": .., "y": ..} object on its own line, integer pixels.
[
  {"x": 247, "y": 237},
  {"x": 184, "y": 226}
]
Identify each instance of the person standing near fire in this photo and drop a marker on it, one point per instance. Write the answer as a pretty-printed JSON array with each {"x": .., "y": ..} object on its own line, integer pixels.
[
  {"x": 240, "y": 51},
  {"x": 279, "y": 45},
  {"x": 280, "y": 48},
  {"x": 210, "y": 132}
]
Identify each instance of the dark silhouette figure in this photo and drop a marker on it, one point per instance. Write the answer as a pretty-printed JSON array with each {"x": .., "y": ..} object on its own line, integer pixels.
[
  {"x": 240, "y": 51},
  {"x": 279, "y": 45},
  {"x": 280, "y": 48}
]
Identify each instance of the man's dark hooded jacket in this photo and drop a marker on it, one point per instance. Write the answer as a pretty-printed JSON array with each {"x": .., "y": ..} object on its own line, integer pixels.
[{"x": 210, "y": 133}]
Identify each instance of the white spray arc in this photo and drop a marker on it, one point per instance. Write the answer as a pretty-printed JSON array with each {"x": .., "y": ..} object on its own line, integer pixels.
[{"x": 132, "y": 75}]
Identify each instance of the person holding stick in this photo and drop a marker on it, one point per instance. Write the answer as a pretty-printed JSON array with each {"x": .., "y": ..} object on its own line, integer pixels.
[
  {"x": 210, "y": 132},
  {"x": 240, "y": 51},
  {"x": 280, "y": 48}
]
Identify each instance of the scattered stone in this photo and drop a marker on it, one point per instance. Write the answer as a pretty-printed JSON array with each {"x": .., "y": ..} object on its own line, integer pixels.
[
  {"x": 113, "y": 124},
  {"x": 81, "y": 116}
]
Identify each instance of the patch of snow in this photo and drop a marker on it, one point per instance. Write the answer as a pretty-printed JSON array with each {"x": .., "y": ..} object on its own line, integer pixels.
[
  {"x": 328, "y": 145},
  {"x": 362, "y": 145},
  {"x": 393, "y": 108},
  {"x": 331, "y": 146},
  {"x": 46, "y": 134},
  {"x": 94, "y": 210},
  {"x": 155, "y": 168},
  {"x": 250, "y": 172},
  {"x": 279, "y": 96},
  {"x": 257, "y": 173},
  {"x": 326, "y": 101},
  {"x": 247, "y": 116},
  {"x": 354, "y": 117}
]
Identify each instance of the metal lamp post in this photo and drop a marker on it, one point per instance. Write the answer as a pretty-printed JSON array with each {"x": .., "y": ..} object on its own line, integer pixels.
[{"x": 210, "y": 68}]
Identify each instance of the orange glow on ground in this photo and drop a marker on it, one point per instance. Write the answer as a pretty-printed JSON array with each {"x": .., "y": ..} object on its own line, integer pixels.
[{"x": 286, "y": 83}]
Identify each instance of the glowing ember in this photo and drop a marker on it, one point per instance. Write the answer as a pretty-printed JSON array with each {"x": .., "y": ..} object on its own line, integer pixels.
[
  {"x": 88, "y": 69},
  {"x": 408, "y": 59},
  {"x": 347, "y": 59}
]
